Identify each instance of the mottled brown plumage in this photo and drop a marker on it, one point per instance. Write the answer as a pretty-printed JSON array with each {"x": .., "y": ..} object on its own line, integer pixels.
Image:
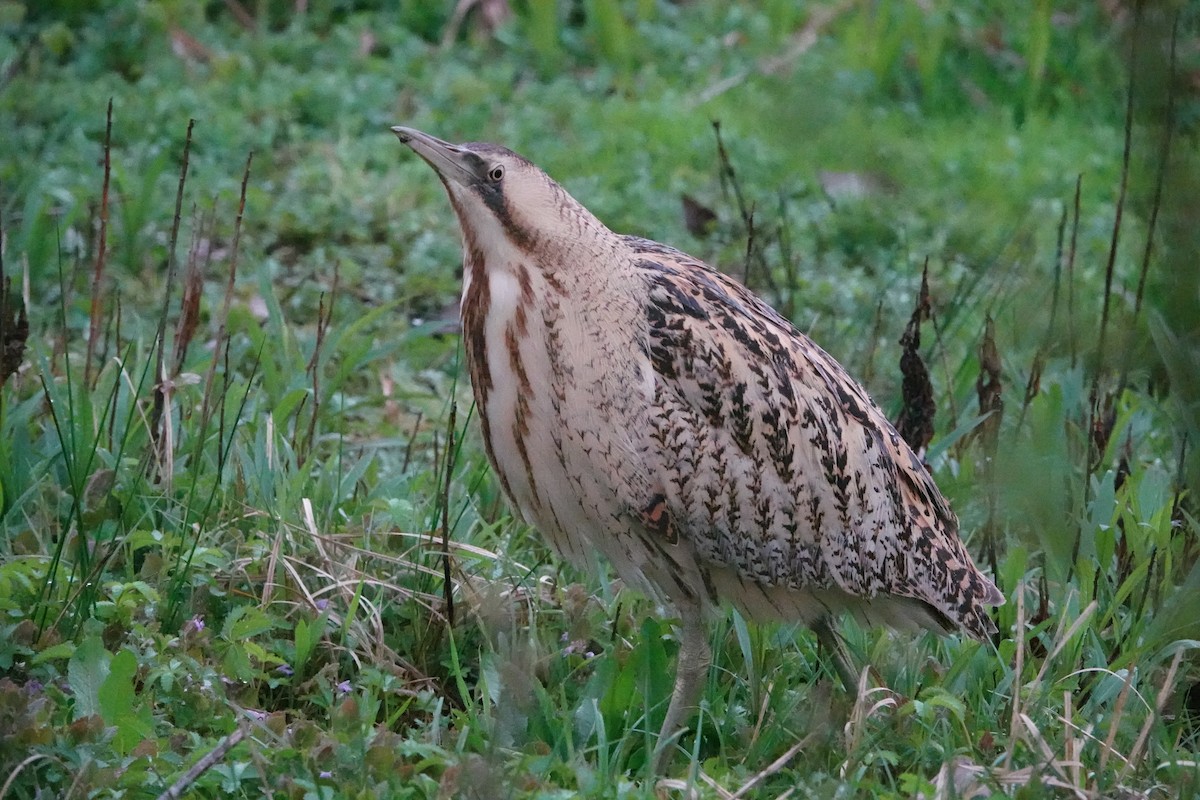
[{"x": 637, "y": 404}]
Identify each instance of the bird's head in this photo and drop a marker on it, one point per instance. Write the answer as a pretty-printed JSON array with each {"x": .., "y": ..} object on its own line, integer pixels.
[{"x": 500, "y": 198}]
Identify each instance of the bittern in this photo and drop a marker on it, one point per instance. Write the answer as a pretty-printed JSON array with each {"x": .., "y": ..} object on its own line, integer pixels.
[{"x": 639, "y": 404}]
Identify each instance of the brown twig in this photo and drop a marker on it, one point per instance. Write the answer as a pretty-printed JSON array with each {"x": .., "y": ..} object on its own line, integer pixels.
[
  {"x": 727, "y": 173},
  {"x": 1033, "y": 386},
  {"x": 448, "y": 586},
  {"x": 193, "y": 285},
  {"x": 1033, "y": 383},
  {"x": 1101, "y": 415},
  {"x": 412, "y": 440},
  {"x": 1156, "y": 203},
  {"x": 1119, "y": 212},
  {"x": 242, "y": 15},
  {"x": 101, "y": 253},
  {"x": 868, "y": 370},
  {"x": 210, "y": 760},
  {"x": 14, "y": 325},
  {"x": 787, "y": 304},
  {"x": 226, "y": 304},
  {"x": 324, "y": 317},
  {"x": 161, "y": 383},
  {"x": 989, "y": 388},
  {"x": 1059, "y": 254},
  {"x": 1070, "y": 269},
  {"x": 729, "y": 178}
]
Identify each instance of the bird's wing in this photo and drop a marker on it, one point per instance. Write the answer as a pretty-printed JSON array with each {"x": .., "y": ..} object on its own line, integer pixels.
[{"x": 774, "y": 462}]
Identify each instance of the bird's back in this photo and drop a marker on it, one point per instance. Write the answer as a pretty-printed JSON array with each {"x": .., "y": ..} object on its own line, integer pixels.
[{"x": 797, "y": 494}]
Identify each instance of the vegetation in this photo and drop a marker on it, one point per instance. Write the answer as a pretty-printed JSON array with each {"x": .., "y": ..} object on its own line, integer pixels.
[{"x": 249, "y": 545}]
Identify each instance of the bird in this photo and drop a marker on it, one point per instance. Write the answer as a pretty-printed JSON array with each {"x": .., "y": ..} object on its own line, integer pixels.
[{"x": 639, "y": 406}]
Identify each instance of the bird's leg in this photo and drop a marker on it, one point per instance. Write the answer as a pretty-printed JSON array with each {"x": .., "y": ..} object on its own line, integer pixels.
[
  {"x": 828, "y": 642},
  {"x": 691, "y": 670}
]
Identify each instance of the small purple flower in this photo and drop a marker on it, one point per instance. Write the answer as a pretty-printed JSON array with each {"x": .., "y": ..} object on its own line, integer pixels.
[
  {"x": 576, "y": 646},
  {"x": 198, "y": 623},
  {"x": 326, "y": 774},
  {"x": 344, "y": 688},
  {"x": 322, "y": 604},
  {"x": 285, "y": 669}
]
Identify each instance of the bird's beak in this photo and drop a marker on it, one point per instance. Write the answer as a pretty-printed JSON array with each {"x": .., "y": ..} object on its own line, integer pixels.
[{"x": 448, "y": 160}]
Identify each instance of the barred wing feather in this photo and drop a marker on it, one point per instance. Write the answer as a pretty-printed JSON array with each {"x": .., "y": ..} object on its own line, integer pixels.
[{"x": 783, "y": 472}]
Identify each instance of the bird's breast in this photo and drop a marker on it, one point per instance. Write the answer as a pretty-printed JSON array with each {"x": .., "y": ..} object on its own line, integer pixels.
[{"x": 561, "y": 393}]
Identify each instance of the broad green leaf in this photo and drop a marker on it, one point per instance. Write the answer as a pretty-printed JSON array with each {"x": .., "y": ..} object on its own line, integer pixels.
[
  {"x": 246, "y": 622},
  {"x": 86, "y": 673},
  {"x": 115, "y": 695},
  {"x": 60, "y": 650},
  {"x": 306, "y": 638},
  {"x": 237, "y": 664}
]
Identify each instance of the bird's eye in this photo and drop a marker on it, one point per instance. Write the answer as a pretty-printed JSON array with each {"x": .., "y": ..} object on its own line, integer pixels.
[{"x": 496, "y": 173}]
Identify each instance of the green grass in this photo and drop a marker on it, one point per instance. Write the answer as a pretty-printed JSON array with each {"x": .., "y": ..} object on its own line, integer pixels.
[{"x": 266, "y": 556}]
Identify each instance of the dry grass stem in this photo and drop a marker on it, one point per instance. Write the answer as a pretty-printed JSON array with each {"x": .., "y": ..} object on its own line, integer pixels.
[{"x": 774, "y": 767}]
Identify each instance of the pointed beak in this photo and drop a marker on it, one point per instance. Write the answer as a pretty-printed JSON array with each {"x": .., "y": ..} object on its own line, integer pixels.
[{"x": 448, "y": 160}]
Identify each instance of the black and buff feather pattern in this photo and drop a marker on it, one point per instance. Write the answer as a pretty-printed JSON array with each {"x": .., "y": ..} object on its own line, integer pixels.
[
  {"x": 757, "y": 429},
  {"x": 638, "y": 404}
]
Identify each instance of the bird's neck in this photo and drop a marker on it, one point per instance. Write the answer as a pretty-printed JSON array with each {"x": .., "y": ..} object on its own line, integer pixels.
[
  {"x": 573, "y": 244},
  {"x": 575, "y": 255}
]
